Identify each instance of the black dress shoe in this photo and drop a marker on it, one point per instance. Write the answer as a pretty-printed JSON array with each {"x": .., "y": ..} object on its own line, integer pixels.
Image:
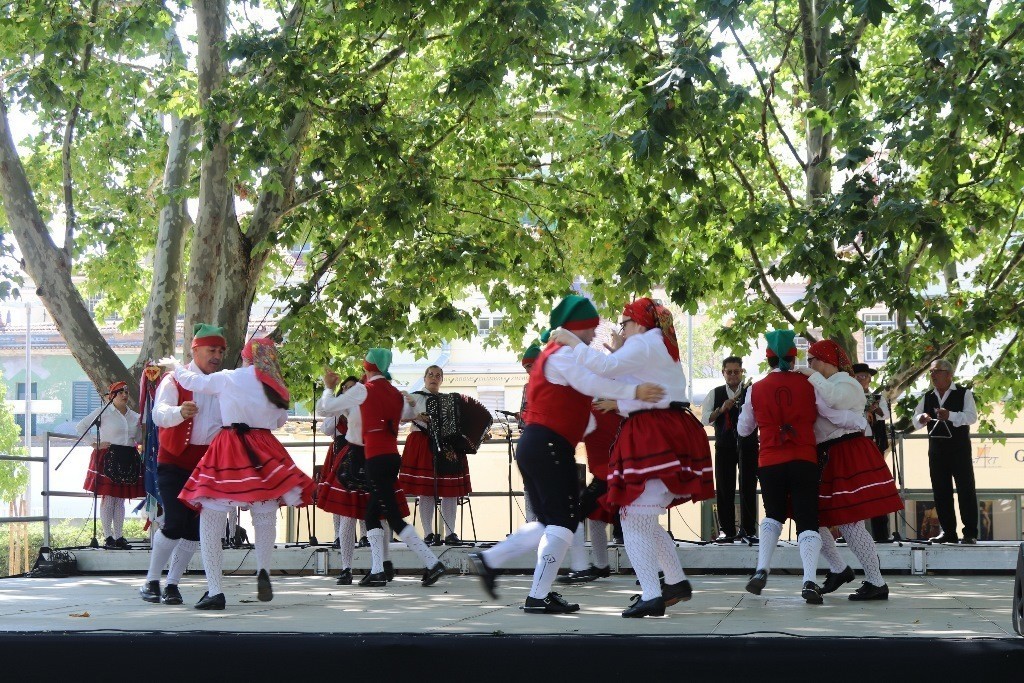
[
  {"x": 432, "y": 539},
  {"x": 969, "y": 540},
  {"x": 345, "y": 578},
  {"x": 655, "y": 607},
  {"x": 211, "y": 602},
  {"x": 944, "y": 537},
  {"x": 364, "y": 542},
  {"x": 150, "y": 591},
  {"x": 337, "y": 544},
  {"x": 676, "y": 592},
  {"x": 452, "y": 539},
  {"x": 869, "y": 591},
  {"x": 834, "y": 580},
  {"x": 171, "y": 595},
  {"x": 587, "y": 575},
  {"x": 724, "y": 538},
  {"x": 488, "y": 577},
  {"x": 122, "y": 544},
  {"x": 552, "y": 604},
  {"x": 430, "y": 576},
  {"x": 110, "y": 543},
  {"x": 747, "y": 538},
  {"x": 264, "y": 591},
  {"x": 389, "y": 570},
  {"x": 377, "y": 580},
  {"x": 757, "y": 582},
  {"x": 811, "y": 593}
]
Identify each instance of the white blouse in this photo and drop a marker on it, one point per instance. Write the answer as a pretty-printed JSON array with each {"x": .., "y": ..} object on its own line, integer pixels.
[
  {"x": 115, "y": 428},
  {"x": 409, "y": 412},
  {"x": 840, "y": 402},
  {"x": 240, "y": 393},
  {"x": 167, "y": 413}
]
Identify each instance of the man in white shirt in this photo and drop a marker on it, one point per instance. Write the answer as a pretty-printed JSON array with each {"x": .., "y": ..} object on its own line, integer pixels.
[{"x": 876, "y": 412}]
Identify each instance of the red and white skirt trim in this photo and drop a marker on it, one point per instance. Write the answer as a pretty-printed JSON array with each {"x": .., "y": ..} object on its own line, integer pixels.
[
  {"x": 333, "y": 497},
  {"x": 416, "y": 476},
  {"x": 670, "y": 445},
  {"x": 102, "y": 485},
  {"x": 856, "y": 484},
  {"x": 225, "y": 477}
]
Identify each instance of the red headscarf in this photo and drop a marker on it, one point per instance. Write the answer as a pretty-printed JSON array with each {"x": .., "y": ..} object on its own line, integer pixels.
[
  {"x": 116, "y": 387},
  {"x": 262, "y": 353},
  {"x": 646, "y": 313},
  {"x": 828, "y": 351}
]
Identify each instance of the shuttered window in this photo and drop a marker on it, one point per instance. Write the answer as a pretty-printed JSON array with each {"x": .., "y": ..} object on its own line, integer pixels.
[{"x": 84, "y": 400}]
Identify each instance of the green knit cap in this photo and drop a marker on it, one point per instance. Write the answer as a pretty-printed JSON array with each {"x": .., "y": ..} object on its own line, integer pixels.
[
  {"x": 573, "y": 313},
  {"x": 531, "y": 353},
  {"x": 382, "y": 359},
  {"x": 205, "y": 334},
  {"x": 781, "y": 346}
]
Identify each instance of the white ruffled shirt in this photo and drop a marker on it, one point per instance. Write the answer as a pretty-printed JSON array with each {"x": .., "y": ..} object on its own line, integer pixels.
[
  {"x": 241, "y": 396},
  {"x": 115, "y": 428},
  {"x": 167, "y": 413},
  {"x": 840, "y": 402}
]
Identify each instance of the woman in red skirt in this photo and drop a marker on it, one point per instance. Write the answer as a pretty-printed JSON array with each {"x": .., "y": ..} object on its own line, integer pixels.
[
  {"x": 245, "y": 466},
  {"x": 335, "y": 427},
  {"x": 856, "y": 484},
  {"x": 115, "y": 467},
  {"x": 661, "y": 457}
]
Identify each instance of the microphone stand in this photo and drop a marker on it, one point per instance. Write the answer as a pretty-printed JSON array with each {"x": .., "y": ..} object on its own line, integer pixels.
[
  {"x": 312, "y": 514},
  {"x": 94, "y": 543},
  {"x": 507, "y": 426}
]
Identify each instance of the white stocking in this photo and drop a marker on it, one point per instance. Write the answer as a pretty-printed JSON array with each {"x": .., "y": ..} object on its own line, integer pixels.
[
  {"x": 578, "y": 550},
  {"x": 232, "y": 521},
  {"x": 180, "y": 559},
  {"x": 346, "y": 531},
  {"x": 211, "y": 526},
  {"x": 416, "y": 544},
  {"x": 448, "y": 509},
  {"x": 427, "y": 504},
  {"x": 376, "y": 538},
  {"x": 117, "y": 523},
  {"x": 550, "y": 552},
  {"x": 524, "y": 540},
  {"x": 161, "y": 553},
  {"x": 265, "y": 531},
  {"x": 668, "y": 557},
  {"x": 337, "y": 531},
  {"x": 639, "y": 532},
  {"x": 107, "y": 515},
  {"x": 830, "y": 552},
  {"x": 810, "y": 547},
  {"x": 386, "y": 528},
  {"x": 598, "y": 542},
  {"x": 771, "y": 529},
  {"x": 863, "y": 546}
]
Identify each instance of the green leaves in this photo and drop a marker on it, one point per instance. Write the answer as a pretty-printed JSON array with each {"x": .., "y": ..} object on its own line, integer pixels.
[{"x": 872, "y": 10}]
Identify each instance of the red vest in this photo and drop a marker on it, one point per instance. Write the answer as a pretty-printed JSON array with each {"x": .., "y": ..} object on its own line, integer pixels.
[
  {"x": 381, "y": 412},
  {"x": 784, "y": 408},
  {"x": 174, "y": 440},
  {"x": 558, "y": 407}
]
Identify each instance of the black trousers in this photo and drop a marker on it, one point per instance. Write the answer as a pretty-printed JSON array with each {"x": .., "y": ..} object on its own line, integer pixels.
[
  {"x": 548, "y": 465},
  {"x": 381, "y": 475},
  {"x": 791, "y": 490},
  {"x": 180, "y": 521},
  {"x": 946, "y": 468},
  {"x": 731, "y": 454}
]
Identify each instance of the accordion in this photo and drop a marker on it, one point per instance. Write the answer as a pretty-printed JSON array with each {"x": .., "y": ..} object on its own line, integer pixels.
[{"x": 458, "y": 425}]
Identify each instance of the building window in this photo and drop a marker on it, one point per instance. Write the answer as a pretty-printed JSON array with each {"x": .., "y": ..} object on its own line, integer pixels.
[
  {"x": 84, "y": 400},
  {"x": 487, "y": 323},
  {"x": 875, "y": 324},
  {"x": 493, "y": 398}
]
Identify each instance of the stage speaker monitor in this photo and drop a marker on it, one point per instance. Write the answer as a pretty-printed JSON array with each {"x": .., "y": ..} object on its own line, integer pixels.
[{"x": 1018, "y": 594}]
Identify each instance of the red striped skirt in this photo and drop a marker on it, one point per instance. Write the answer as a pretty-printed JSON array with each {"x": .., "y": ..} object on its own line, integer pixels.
[
  {"x": 333, "y": 497},
  {"x": 670, "y": 445},
  {"x": 416, "y": 476},
  {"x": 226, "y": 474},
  {"x": 102, "y": 485},
  {"x": 856, "y": 484}
]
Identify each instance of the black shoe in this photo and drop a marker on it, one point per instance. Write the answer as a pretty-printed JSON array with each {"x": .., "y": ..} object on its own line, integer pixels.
[
  {"x": 676, "y": 592},
  {"x": 488, "y": 577},
  {"x": 150, "y": 591},
  {"x": 122, "y": 544},
  {"x": 171, "y": 596},
  {"x": 655, "y": 607},
  {"x": 211, "y": 602},
  {"x": 552, "y": 604},
  {"x": 430, "y": 576},
  {"x": 377, "y": 580},
  {"x": 723, "y": 538},
  {"x": 944, "y": 537},
  {"x": 833, "y": 580},
  {"x": 748, "y": 538},
  {"x": 264, "y": 591},
  {"x": 757, "y": 582},
  {"x": 452, "y": 539},
  {"x": 240, "y": 539},
  {"x": 430, "y": 539},
  {"x": 587, "y": 575},
  {"x": 110, "y": 543},
  {"x": 811, "y": 593},
  {"x": 364, "y": 542},
  {"x": 345, "y": 578},
  {"x": 389, "y": 570},
  {"x": 869, "y": 591},
  {"x": 337, "y": 544},
  {"x": 969, "y": 540}
]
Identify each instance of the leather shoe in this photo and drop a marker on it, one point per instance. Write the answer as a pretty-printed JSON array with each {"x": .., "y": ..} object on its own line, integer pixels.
[
  {"x": 264, "y": 592},
  {"x": 676, "y": 592},
  {"x": 337, "y": 544},
  {"x": 834, "y": 580},
  {"x": 552, "y": 604},
  {"x": 211, "y": 602},
  {"x": 757, "y": 582},
  {"x": 488, "y": 577},
  {"x": 747, "y": 538},
  {"x": 171, "y": 595},
  {"x": 150, "y": 591},
  {"x": 430, "y": 576},
  {"x": 377, "y": 580},
  {"x": 944, "y": 537},
  {"x": 587, "y": 575},
  {"x": 724, "y": 538},
  {"x": 389, "y": 570},
  {"x": 452, "y": 539},
  {"x": 122, "y": 544},
  {"x": 811, "y": 593},
  {"x": 345, "y": 578},
  {"x": 869, "y": 591},
  {"x": 968, "y": 540},
  {"x": 364, "y": 542},
  {"x": 110, "y": 543},
  {"x": 655, "y": 607}
]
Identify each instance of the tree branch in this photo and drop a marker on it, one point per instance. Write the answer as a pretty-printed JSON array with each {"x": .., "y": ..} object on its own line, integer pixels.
[{"x": 769, "y": 291}]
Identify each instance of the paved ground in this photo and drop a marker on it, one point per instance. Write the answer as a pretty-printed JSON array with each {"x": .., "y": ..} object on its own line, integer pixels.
[{"x": 935, "y": 606}]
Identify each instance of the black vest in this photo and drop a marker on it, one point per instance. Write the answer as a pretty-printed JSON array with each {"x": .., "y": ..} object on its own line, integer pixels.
[
  {"x": 961, "y": 440},
  {"x": 727, "y": 434}
]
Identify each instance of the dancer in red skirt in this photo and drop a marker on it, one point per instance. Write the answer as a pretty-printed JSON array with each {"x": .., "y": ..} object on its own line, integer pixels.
[
  {"x": 335, "y": 427},
  {"x": 856, "y": 484},
  {"x": 245, "y": 466},
  {"x": 422, "y": 476},
  {"x": 661, "y": 457},
  {"x": 111, "y": 474}
]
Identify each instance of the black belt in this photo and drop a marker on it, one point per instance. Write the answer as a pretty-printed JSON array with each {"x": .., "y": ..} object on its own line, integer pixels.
[
  {"x": 674, "y": 405},
  {"x": 242, "y": 429},
  {"x": 825, "y": 445}
]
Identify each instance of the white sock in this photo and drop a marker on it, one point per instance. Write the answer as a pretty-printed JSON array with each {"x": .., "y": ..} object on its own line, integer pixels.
[
  {"x": 265, "y": 533},
  {"x": 386, "y": 528},
  {"x": 427, "y": 504},
  {"x": 346, "y": 530},
  {"x": 598, "y": 542},
  {"x": 639, "y": 534},
  {"x": 416, "y": 544},
  {"x": 376, "y": 537},
  {"x": 161, "y": 553},
  {"x": 117, "y": 522},
  {"x": 550, "y": 552},
  {"x": 771, "y": 529},
  {"x": 524, "y": 540},
  {"x": 180, "y": 559},
  {"x": 810, "y": 548},
  {"x": 448, "y": 510},
  {"x": 830, "y": 552},
  {"x": 668, "y": 557},
  {"x": 107, "y": 515},
  {"x": 211, "y": 526},
  {"x": 863, "y": 547},
  {"x": 362, "y": 528},
  {"x": 337, "y": 530},
  {"x": 578, "y": 550}
]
